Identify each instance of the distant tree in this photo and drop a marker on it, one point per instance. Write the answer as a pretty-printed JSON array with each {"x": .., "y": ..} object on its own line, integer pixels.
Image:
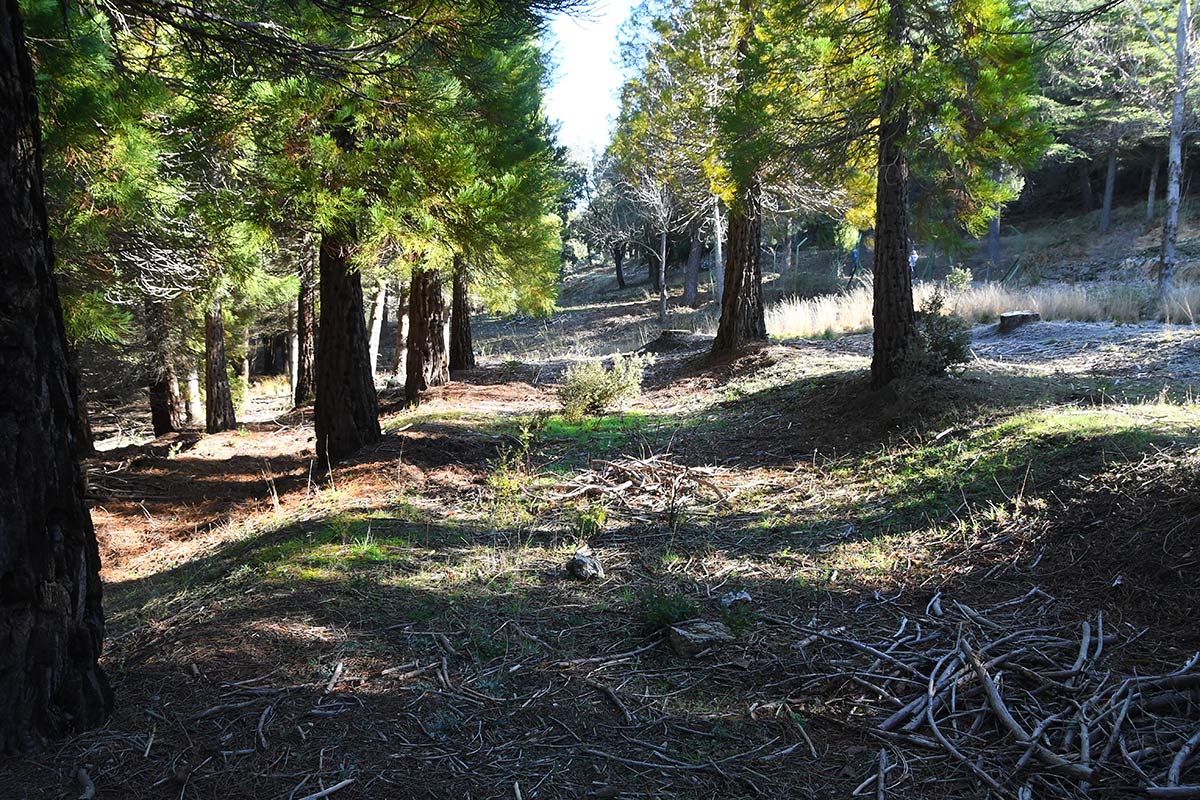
[{"x": 1106, "y": 86}]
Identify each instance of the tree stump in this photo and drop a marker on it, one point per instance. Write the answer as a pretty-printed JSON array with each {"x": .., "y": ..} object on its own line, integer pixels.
[{"x": 1011, "y": 320}]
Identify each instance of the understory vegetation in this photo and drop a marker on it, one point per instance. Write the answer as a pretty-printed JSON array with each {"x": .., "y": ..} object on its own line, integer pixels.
[
  {"x": 980, "y": 303},
  {"x": 411, "y": 611}
]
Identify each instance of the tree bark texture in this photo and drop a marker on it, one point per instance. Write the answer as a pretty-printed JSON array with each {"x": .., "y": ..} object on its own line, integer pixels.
[
  {"x": 691, "y": 280},
  {"x": 1167, "y": 264},
  {"x": 892, "y": 311},
  {"x": 166, "y": 404},
  {"x": 462, "y": 351},
  {"x": 218, "y": 405},
  {"x": 81, "y": 423},
  {"x": 195, "y": 411},
  {"x": 1151, "y": 194},
  {"x": 742, "y": 313},
  {"x": 718, "y": 273},
  {"x": 401, "y": 312},
  {"x": 346, "y": 412},
  {"x": 51, "y": 623},
  {"x": 619, "y": 260},
  {"x": 378, "y": 313},
  {"x": 993, "y": 242},
  {"x": 1110, "y": 182},
  {"x": 247, "y": 347},
  {"x": 1085, "y": 186},
  {"x": 662, "y": 273},
  {"x": 306, "y": 302},
  {"x": 425, "y": 364}
]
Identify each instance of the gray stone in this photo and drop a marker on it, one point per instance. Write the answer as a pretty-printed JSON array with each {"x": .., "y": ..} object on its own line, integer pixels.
[
  {"x": 736, "y": 600},
  {"x": 584, "y": 566}
]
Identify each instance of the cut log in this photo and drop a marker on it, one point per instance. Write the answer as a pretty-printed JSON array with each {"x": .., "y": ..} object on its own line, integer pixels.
[{"x": 1011, "y": 320}]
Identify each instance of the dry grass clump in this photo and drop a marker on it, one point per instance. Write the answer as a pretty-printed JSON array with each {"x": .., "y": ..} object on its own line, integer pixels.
[
  {"x": 835, "y": 314},
  {"x": 806, "y": 318}
]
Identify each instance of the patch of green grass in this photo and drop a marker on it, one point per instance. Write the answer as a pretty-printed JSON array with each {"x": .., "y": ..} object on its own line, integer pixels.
[
  {"x": 660, "y": 610},
  {"x": 600, "y": 433},
  {"x": 1003, "y": 460}
]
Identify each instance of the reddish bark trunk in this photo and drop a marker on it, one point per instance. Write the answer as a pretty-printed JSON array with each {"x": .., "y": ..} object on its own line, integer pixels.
[
  {"x": 166, "y": 404},
  {"x": 426, "y": 364},
  {"x": 218, "y": 405},
  {"x": 51, "y": 623},
  {"x": 742, "y": 314},
  {"x": 306, "y": 331},
  {"x": 895, "y": 322},
  {"x": 346, "y": 413},
  {"x": 462, "y": 353}
]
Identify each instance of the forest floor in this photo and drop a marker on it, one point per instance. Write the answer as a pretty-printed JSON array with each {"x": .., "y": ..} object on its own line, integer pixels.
[{"x": 403, "y": 626}]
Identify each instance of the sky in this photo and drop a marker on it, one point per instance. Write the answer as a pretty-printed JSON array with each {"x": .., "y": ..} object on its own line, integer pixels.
[{"x": 584, "y": 96}]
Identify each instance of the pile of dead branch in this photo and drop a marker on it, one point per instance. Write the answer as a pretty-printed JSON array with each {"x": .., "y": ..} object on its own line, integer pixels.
[
  {"x": 1018, "y": 706},
  {"x": 643, "y": 486}
]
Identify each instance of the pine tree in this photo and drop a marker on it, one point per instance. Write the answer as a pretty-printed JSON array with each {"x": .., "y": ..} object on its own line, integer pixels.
[{"x": 50, "y": 679}]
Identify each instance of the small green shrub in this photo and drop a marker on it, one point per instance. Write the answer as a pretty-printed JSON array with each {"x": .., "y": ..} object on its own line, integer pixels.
[
  {"x": 943, "y": 340},
  {"x": 662, "y": 610},
  {"x": 589, "y": 520},
  {"x": 959, "y": 278},
  {"x": 590, "y": 388}
]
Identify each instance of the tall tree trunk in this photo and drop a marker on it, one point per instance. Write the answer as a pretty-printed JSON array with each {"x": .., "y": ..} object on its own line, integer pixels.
[
  {"x": 346, "y": 412},
  {"x": 247, "y": 349},
  {"x": 462, "y": 352},
  {"x": 1151, "y": 195},
  {"x": 218, "y": 404},
  {"x": 378, "y": 312},
  {"x": 1085, "y": 186},
  {"x": 166, "y": 406},
  {"x": 742, "y": 313},
  {"x": 893, "y": 313},
  {"x": 195, "y": 411},
  {"x": 81, "y": 423},
  {"x": 789, "y": 238},
  {"x": 425, "y": 364},
  {"x": 1110, "y": 182},
  {"x": 691, "y": 281},
  {"x": 306, "y": 302},
  {"x": 718, "y": 269},
  {"x": 293, "y": 348},
  {"x": 1166, "y": 269},
  {"x": 993, "y": 242},
  {"x": 619, "y": 260},
  {"x": 401, "y": 312},
  {"x": 662, "y": 283},
  {"x": 51, "y": 623}
]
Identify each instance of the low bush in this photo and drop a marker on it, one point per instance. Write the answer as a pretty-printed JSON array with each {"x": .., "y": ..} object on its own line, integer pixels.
[
  {"x": 943, "y": 340},
  {"x": 589, "y": 388},
  {"x": 959, "y": 278},
  {"x": 663, "y": 610}
]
